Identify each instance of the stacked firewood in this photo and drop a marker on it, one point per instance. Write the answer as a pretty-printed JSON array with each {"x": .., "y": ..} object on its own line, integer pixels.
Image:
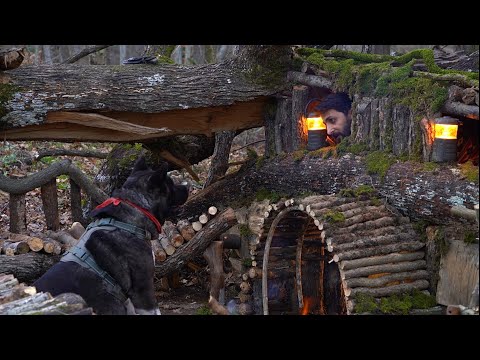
[
  {"x": 174, "y": 236},
  {"x": 18, "y": 299}
]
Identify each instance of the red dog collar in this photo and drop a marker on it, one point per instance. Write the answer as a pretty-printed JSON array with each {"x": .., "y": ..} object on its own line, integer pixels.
[{"x": 116, "y": 201}]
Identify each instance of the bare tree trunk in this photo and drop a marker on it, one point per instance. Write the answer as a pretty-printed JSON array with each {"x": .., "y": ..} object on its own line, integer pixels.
[
  {"x": 219, "y": 164},
  {"x": 47, "y": 54},
  {"x": 123, "y": 53},
  {"x": 381, "y": 49}
]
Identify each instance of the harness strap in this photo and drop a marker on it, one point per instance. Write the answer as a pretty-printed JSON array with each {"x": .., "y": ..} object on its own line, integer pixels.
[
  {"x": 84, "y": 258},
  {"x": 135, "y": 230}
]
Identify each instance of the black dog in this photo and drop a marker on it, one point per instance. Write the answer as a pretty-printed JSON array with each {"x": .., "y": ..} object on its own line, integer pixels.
[{"x": 112, "y": 266}]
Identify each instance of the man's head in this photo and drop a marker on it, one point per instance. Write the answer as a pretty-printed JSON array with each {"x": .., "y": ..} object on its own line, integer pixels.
[{"x": 336, "y": 111}]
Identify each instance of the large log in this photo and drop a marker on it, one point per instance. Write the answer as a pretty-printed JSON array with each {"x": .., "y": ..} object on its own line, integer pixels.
[
  {"x": 27, "y": 267},
  {"x": 210, "y": 232},
  {"x": 406, "y": 186},
  {"x": 140, "y": 102}
]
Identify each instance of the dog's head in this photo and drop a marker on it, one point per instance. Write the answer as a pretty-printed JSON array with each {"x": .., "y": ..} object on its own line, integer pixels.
[{"x": 152, "y": 190}]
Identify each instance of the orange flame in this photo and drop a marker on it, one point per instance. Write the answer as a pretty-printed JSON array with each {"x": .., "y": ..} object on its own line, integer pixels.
[
  {"x": 315, "y": 123},
  {"x": 444, "y": 131},
  {"x": 306, "y": 306}
]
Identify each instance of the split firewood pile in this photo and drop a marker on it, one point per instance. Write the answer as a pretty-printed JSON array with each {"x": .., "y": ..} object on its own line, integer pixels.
[
  {"x": 52, "y": 242},
  {"x": 377, "y": 250},
  {"x": 18, "y": 299},
  {"x": 175, "y": 235}
]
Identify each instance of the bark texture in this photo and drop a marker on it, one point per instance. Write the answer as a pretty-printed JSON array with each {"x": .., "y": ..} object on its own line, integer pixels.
[
  {"x": 140, "y": 102},
  {"x": 406, "y": 186}
]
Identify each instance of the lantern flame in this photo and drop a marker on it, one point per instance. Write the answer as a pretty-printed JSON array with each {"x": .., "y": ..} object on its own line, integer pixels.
[
  {"x": 445, "y": 131},
  {"x": 315, "y": 123}
]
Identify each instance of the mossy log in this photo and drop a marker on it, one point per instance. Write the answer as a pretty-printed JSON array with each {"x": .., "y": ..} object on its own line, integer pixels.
[
  {"x": 140, "y": 102},
  {"x": 406, "y": 186}
]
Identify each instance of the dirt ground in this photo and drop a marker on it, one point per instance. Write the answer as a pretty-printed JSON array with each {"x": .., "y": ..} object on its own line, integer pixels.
[{"x": 183, "y": 301}]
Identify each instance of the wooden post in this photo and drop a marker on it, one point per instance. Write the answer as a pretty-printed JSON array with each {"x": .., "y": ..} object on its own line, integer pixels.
[
  {"x": 50, "y": 204},
  {"x": 283, "y": 129},
  {"x": 76, "y": 203},
  {"x": 214, "y": 257},
  {"x": 299, "y": 128},
  {"x": 18, "y": 217}
]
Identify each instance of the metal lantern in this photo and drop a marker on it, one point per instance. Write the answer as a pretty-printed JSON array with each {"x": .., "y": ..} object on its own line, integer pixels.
[
  {"x": 317, "y": 132},
  {"x": 445, "y": 141}
]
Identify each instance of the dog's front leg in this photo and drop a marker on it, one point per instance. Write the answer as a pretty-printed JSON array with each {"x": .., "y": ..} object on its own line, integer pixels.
[
  {"x": 132, "y": 311},
  {"x": 142, "y": 293}
]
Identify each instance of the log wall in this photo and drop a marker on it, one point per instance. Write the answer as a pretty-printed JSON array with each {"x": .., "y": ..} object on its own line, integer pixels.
[{"x": 376, "y": 249}]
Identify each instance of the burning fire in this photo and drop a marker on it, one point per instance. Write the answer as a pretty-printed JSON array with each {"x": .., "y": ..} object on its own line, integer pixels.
[
  {"x": 315, "y": 123},
  {"x": 443, "y": 131},
  {"x": 306, "y": 306}
]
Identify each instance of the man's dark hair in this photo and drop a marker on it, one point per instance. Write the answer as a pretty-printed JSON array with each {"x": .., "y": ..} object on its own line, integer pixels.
[{"x": 337, "y": 101}]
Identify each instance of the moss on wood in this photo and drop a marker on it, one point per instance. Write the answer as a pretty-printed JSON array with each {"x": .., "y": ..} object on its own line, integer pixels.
[
  {"x": 7, "y": 92},
  {"x": 379, "y": 162},
  {"x": 334, "y": 216},
  {"x": 469, "y": 171}
]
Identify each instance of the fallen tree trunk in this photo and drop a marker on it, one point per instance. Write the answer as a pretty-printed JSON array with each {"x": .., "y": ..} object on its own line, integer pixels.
[
  {"x": 139, "y": 102},
  {"x": 406, "y": 186},
  {"x": 27, "y": 267},
  {"x": 202, "y": 239}
]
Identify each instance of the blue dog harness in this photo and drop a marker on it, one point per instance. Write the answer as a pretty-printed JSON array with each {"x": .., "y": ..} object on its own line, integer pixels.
[{"x": 84, "y": 258}]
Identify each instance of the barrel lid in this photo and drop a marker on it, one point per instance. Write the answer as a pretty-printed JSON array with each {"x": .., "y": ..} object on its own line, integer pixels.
[{"x": 446, "y": 120}]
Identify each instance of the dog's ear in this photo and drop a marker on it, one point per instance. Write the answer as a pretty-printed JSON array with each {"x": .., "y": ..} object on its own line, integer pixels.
[
  {"x": 181, "y": 194},
  {"x": 159, "y": 176},
  {"x": 140, "y": 164}
]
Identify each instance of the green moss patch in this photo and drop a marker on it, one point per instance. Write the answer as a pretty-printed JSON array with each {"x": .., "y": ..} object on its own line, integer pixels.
[
  {"x": 244, "y": 230},
  {"x": 204, "y": 310},
  {"x": 334, "y": 216},
  {"x": 263, "y": 194},
  {"x": 378, "y": 162},
  {"x": 398, "y": 304},
  {"x": 470, "y": 171},
  {"x": 6, "y": 94}
]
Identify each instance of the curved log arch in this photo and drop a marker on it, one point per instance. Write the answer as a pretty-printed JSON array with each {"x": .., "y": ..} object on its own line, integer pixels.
[{"x": 266, "y": 253}]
